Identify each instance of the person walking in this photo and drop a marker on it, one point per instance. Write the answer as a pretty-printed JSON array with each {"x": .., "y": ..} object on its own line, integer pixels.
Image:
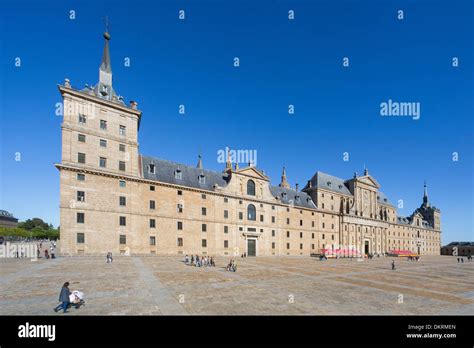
[
  {"x": 393, "y": 265},
  {"x": 63, "y": 298}
]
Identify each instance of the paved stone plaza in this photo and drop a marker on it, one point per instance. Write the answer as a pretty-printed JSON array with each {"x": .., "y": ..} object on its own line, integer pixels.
[{"x": 273, "y": 286}]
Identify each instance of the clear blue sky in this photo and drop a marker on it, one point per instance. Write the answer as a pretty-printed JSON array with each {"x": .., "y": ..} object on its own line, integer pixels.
[{"x": 283, "y": 62}]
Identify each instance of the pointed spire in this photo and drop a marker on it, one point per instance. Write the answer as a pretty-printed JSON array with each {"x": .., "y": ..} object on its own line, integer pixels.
[
  {"x": 284, "y": 182},
  {"x": 105, "y": 69},
  {"x": 228, "y": 163},
  {"x": 425, "y": 195},
  {"x": 199, "y": 165}
]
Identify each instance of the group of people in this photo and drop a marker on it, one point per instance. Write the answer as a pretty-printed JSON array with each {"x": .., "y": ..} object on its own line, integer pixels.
[
  {"x": 203, "y": 261},
  {"x": 232, "y": 266},
  {"x": 413, "y": 258},
  {"x": 47, "y": 254}
]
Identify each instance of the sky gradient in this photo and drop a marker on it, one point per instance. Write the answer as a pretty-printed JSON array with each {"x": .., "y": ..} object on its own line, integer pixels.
[{"x": 282, "y": 62}]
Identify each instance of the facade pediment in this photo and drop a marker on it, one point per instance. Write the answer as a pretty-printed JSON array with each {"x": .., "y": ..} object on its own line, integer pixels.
[
  {"x": 367, "y": 179},
  {"x": 253, "y": 173}
]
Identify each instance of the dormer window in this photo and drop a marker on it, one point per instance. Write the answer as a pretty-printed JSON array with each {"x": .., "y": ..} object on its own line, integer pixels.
[
  {"x": 283, "y": 195},
  {"x": 329, "y": 183},
  {"x": 151, "y": 168},
  {"x": 340, "y": 186},
  {"x": 297, "y": 198},
  {"x": 202, "y": 179},
  {"x": 178, "y": 175}
]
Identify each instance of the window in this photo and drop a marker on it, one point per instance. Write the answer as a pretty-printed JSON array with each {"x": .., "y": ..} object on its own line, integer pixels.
[
  {"x": 226, "y": 229},
  {"x": 226, "y": 214},
  {"x": 122, "y": 165},
  {"x": 273, "y": 219},
  {"x": 80, "y": 218},
  {"x": 180, "y": 193},
  {"x": 180, "y": 225},
  {"x": 122, "y": 183},
  {"x": 81, "y": 196},
  {"x": 301, "y": 234},
  {"x": 273, "y": 233},
  {"x": 287, "y": 221},
  {"x": 322, "y": 205},
  {"x": 123, "y": 239},
  {"x": 180, "y": 208},
  {"x": 324, "y": 224},
  {"x": 122, "y": 130},
  {"x": 80, "y": 238},
  {"x": 204, "y": 243},
  {"x": 122, "y": 221},
  {"x": 178, "y": 174},
  {"x": 81, "y": 177},
  {"x": 81, "y": 138},
  {"x": 301, "y": 246},
  {"x": 261, "y": 218},
  {"x": 312, "y": 223},
  {"x": 273, "y": 245},
  {"x": 82, "y": 119},
  {"x": 152, "y": 204},
  {"x": 332, "y": 237},
  {"x": 103, "y": 124},
  {"x": 301, "y": 222},
  {"x": 203, "y": 211},
  {"x": 241, "y": 215},
  {"x": 203, "y": 196},
  {"x": 81, "y": 157},
  {"x": 251, "y": 188},
  {"x": 312, "y": 235},
  {"x": 122, "y": 201},
  {"x": 122, "y": 147},
  {"x": 287, "y": 234},
  {"x": 288, "y": 245},
  {"x": 180, "y": 242},
  {"x": 273, "y": 207},
  {"x": 312, "y": 246},
  {"x": 226, "y": 200},
  {"x": 103, "y": 143},
  {"x": 332, "y": 226},
  {"x": 323, "y": 235},
  {"x": 152, "y": 240},
  {"x": 152, "y": 188},
  {"x": 202, "y": 179},
  {"x": 204, "y": 228},
  {"x": 152, "y": 223},
  {"x": 251, "y": 212},
  {"x": 226, "y": 244},
  {"x": 103, "y": 162}
]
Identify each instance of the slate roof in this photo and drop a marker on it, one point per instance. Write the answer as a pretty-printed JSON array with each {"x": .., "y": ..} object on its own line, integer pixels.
[
  {"x": 165, "y": 172},
  {"x": 382, "y": 199},
  {"x": 113, "y": 96},
  {"x": 299, "y": 199},
  {"x": 329, "y": 182}
]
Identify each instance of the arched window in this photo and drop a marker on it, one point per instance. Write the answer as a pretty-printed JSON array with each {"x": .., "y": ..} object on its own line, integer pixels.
[
  {"x": 251, "y": 212},
  {"x": 251, "y": 188}
]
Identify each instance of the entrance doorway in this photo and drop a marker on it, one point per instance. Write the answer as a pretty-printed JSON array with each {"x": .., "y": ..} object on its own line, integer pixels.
[
  {"x": 251, "y": 247},
  {"x": 366, "y": 247}
]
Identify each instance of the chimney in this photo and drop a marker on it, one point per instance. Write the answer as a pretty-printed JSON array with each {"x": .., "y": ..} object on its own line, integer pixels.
[
  {"x": 133, "y": 104},
  {"x": 296, "y": 187}
]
